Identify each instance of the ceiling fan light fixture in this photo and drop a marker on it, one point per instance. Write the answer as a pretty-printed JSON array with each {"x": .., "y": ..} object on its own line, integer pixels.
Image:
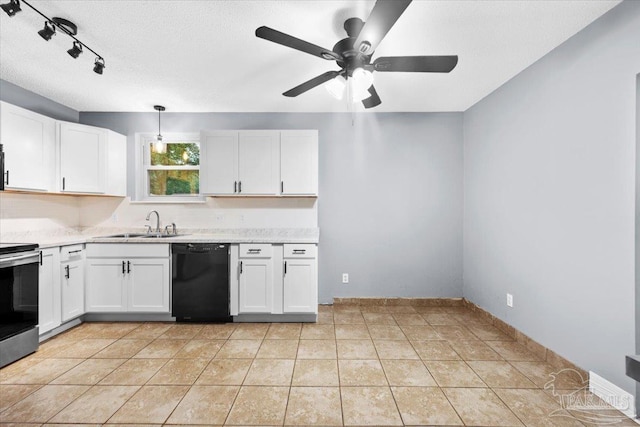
[
  {"x": 48, "y": 31},
  {"x": 12, "y": 7},
  {"x": 336, "y": 87}
]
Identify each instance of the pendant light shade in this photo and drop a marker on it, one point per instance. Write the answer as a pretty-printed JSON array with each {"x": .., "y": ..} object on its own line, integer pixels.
[{"x": 158, "y": 145}]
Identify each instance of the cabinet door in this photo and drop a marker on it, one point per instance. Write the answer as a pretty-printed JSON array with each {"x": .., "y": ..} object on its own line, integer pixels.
[
  {"x": 219, "y": 162},
  {"x": 148, "y": 283},
  {"x": 299, "y": 162},
  {"x": 300, "y": 286},
  {"x": 106, "y": 285},
  {"x": 49, "y": 310},
  {"x": 258, "y": 162},
  {"x": 82, "y": 158},
  {"x": 116, "y": 164},
  {"x": 72, "y": 289},
  {"x": 256, "y": 285},
  {"x": 28, "y": 141}
]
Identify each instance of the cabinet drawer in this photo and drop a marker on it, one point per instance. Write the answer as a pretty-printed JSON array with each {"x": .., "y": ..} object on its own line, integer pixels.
[
  {"x": 127, "y": 250},
  {"x": 71, "y": 252},
  {"x": 300, "y": 251},
  {"x": 255, "y": 250}
]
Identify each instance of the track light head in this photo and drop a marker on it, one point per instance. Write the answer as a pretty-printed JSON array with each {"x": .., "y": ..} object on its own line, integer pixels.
[
  {"x": 12, "y": 7},
  {"x": 99, "y": 66},
  {"x": 76, "y": 50},
  {"x": 48, "y": 31}
]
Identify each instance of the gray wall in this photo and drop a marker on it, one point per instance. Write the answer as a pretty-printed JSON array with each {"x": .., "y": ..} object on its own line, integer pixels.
[
  {"x": 32, "y": 101},
  {"x": 390, "y": 205},
  {"x": 637, "y": 260},
  {"x": 549, "y": 197}
]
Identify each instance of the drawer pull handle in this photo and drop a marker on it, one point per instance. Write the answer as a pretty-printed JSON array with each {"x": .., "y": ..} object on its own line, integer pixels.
[
  {"x": 75, "y": 252},
  {"x": 255, "y": 251},
  {"x": 299, "y": 251}
]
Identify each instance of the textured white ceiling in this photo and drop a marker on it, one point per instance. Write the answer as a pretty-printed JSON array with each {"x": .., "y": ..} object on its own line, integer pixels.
[{"x": 199, "y": 55}]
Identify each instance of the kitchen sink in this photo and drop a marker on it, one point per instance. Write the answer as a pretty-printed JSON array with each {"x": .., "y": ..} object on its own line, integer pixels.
[
  {"x": 160, "y": 236},
  {"x": 122, "y": 236}
]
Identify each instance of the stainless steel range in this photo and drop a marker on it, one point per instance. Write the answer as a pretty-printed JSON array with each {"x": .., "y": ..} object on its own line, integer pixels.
[{"x": 18, "y": 301}]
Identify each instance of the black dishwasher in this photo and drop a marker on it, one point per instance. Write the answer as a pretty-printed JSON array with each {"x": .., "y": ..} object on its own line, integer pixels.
[{"x": 200, "y": 282}]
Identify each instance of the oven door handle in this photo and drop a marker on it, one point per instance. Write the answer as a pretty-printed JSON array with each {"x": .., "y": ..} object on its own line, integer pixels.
[{"x": 19, "y": 260}]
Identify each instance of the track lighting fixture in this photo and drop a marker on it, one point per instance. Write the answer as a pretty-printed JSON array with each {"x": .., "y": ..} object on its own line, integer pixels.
[
  {"x": 51, "y": 25},
  {"x": 99, "y": 66},
  {"x": 76, "y": 50},
  {"x": 48, "y": 31},
  {"x": 12, "y": 7}
]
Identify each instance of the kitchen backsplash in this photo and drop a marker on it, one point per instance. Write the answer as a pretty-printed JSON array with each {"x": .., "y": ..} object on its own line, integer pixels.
[{"x": 33, "y": 212}]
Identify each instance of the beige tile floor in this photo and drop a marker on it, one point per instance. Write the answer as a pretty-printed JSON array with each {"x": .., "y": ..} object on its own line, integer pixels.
[{"x": 386, "y": 366}]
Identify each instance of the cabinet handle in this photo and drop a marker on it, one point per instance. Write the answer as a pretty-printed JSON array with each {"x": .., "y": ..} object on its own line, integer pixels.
[
  {"x": 235, "y": 186},
  {"x": 67, "y": 274},
  {"x": 7, "y": 181},
  {"x": 63, "y": 183},
  {"x": 40, "y": 257},
  {"x": 255, "y": 251},
  {"x": 128, "y": 267},
  {"x": 285, "y": 268},
  {"x": 299, "y": 251},
  {"x": 240, "y": 267},
  {"x": 282, "y": 186},
  {"x": 239, "y": 186},
  {"x": 123, "y": 270}
]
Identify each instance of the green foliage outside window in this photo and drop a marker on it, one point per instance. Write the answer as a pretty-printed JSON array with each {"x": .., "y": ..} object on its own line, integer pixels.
[{"x": 176, "y": 180}]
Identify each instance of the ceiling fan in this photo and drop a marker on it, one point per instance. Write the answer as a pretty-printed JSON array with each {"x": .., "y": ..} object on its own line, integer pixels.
[{"x": 353, "y": 55}]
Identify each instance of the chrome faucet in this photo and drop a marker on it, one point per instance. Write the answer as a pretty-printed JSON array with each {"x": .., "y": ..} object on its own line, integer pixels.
[{"x": 157, "y": 221}]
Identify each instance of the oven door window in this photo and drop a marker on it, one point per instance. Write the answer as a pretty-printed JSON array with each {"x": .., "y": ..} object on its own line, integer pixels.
[{"x": 18, "y": 299}]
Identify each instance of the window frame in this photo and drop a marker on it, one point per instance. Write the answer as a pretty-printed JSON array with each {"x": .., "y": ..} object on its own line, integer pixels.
[{"x": 143, "y": 166}]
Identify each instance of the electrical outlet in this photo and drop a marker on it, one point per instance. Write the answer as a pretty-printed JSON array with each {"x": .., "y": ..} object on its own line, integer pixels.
[
  {"x": 114, "y": 218},
  {"x": 345, "y": 277},
  {"x": 509, "y": 300}
]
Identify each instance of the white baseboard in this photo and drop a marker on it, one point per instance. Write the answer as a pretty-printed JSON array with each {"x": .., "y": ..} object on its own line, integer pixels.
[{"x": 612, "y": 394}]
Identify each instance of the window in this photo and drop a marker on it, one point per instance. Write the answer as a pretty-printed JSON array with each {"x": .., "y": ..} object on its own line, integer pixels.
[{"x": 170, "y": 175}]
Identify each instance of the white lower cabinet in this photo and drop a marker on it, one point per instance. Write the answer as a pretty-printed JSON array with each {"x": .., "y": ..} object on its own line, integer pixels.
[
  {"x": 255, "y": 281},
  {"x": 128, "y": 278},
  {"x": 49, "y": 298},
  {"x": 300, "y": 279},
  {"x": 72, "y": 281},
  {"x": 274, "y": 279}
]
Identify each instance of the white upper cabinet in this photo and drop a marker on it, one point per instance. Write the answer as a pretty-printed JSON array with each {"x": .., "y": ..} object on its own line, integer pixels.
[
  {"x": 28, "y": 141},
  {"x": 299, "y": 162},
  {"x": 219, "y": 162},
  {"x": 239, "y": 162},
  {"x": 83, "y": 162},
  {"x": 116, "y": 164},
  {"x": 258, "y": 162}
]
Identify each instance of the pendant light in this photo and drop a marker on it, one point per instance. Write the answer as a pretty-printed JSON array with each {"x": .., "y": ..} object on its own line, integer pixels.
[{"x": 158, "y": 145}]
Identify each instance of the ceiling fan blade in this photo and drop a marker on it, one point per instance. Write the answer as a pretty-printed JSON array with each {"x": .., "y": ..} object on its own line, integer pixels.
[
  {"x": 416, "y": 64},
  {"x": 310, "y": 84},
  {"x": 295, "y": 43},
  {"x": 385, "y": 13},
  {"x": 373, "y": 100}
]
